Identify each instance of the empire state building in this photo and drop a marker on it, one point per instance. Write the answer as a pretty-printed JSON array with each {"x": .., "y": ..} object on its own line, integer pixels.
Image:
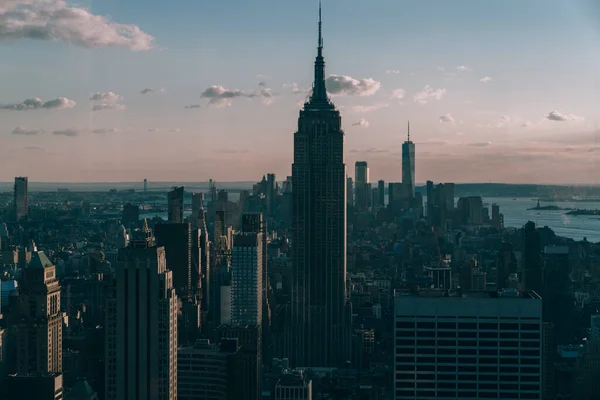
[{"x": 320, "y": 329}]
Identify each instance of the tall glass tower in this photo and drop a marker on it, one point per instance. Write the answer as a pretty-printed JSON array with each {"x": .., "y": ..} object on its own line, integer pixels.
[
  {"x": 320, "y": 312},
  {"x": 408, "y": 164}
]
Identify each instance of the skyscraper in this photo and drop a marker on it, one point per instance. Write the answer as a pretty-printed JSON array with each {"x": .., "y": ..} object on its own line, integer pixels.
[
  {"x": 38, "y": 324},
  {"x": 175, "y": 205},
  {"x": 141, "y": 318},
  {"x": 408, "y": 164},
  {"x": 349, "y": 191},
  {"x": 197, "y": 206},
  {"x": 246, "y": 279},
  {"x": 363, "y": 187},
  {"x": 381, "y": 193},
  {"x": 532, "y": 258},
  {"x": 255, "y": 223},
  {"x": 176, "y": 239},
  {"x": 21, "y": 201},
  {"x": 467, "y": 345},
  {"x": 320, "y": 314}
]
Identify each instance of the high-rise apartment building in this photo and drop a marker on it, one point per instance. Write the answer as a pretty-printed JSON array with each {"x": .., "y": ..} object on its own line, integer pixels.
[
  {"x": 175, "y": 205},
  {"x": 532, "y": 258},
  {"x": 247, "y": 279},
  {"x": 197, "y": 208},
  {"x": 408, "y": 164},
  {"x": 320, "y": 329},
  {"x": 362, "y": 186},
  {"x": 177, "y": 241},
  {"x": 21, "y": 198},
  {"x": 255, "y": 223},
  {"x": 381, "y": 193},
  {"x": 141, "y": 325},
  {"x": 38, "y": 321},
  {"x": 467, "y": 345}
]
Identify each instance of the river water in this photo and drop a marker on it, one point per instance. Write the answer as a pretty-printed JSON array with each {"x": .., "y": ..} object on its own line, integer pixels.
[{"x": 516, "y": 214}]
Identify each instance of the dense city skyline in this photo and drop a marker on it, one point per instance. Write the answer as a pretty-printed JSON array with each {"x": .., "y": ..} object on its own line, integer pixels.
[{"x": 124, "y": 96}]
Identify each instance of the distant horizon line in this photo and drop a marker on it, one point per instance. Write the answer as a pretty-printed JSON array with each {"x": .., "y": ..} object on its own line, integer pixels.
[{"x": 255, "y": 181}]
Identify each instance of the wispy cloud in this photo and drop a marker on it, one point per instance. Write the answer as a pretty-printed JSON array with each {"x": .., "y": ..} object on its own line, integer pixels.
[
  {"x": 480, "y": 144},
  {"x": 427, "y": 93},
  {"x": 66, "y": 132},
  {"x": 102, "y": 131},
  {"x": 485, "y": 79},
  {"x": 463, "y": 68},
  {"x": 108, "y": 106},
  {"x": 151, "y": 90},
  {"x": 55, "y": 20},
  {"x": 60, "y": 103},
  {"x": 231, "y": 151},
  {"x": 369, "y": 108},
  {"x": 108, "y": 97},
  {"x": 293, "y": 86},
  {"x": 398, "y": 94},
  {"x": 392, "y": 71},
  {"x": 221, "y": 97},
  {"x": 556, "y": 116},
  {"x": 343, "y": 85},
  {"x": 363, "y": 123},
  {"x": 192, "y": 106},
  {"x": 19, "y": 130},
  {"x": 34, "y": 148},
  {"x": 447, "y": 118}
]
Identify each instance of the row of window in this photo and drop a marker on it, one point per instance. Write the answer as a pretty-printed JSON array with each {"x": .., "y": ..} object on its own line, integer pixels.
[
  {"x": 433, "y": 395},
  {"x": 464, "y": 377},
  {"x": 471, "y": 350},
  {"x": 468, "y": 325},
  {"x": 468, "y": 385},
  {"x": 467, "y": 360},
  {"x": 467, "y": 334},
  {"x": 468, "y": 343},
  {"x": 493, "y": 369}
]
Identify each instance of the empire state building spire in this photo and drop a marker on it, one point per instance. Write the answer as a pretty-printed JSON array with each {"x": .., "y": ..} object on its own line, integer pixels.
[{"x": 319, "y": 94}]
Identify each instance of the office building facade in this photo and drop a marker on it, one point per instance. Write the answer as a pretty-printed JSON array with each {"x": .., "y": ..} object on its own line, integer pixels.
[
  {"x": 38, "y": 324},
  {"x": 467, "y": 345},
  {"x": 362, "y": 186},
  {"x": 141, "y": 325},
  {"x": 408, "y": 164},
  {"x": 21, "y": 198},
  {"x": 175, "y": 205},
  {"x": 320, "y": 328},
  {"x": 176, "y": 238},
  {"x": 247, "y": 279}
]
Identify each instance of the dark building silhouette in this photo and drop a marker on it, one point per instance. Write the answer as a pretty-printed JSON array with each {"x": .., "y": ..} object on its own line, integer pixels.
[
  {"x": 408, "y": 164},
  {"x": 141, "y": 325},
  {"x": 506, "y": 264},
  {"x": 21, "y": 198},
  {"x": 255, "y": 223},
  {"x": 532, "y": 258},
  {"x": 37, "y": 322},
  {"x": 35, "y": 387},
  {"x": 131, "y": 214},
  {"x": 246, "y": 366},
  {"x": 177, "y": 241},
  {"x": 175, "y": 205},
  {"x": 320, "y": 329},
  {"x": 381, "y": 193},
  {"x": 362, "y": 186}
]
